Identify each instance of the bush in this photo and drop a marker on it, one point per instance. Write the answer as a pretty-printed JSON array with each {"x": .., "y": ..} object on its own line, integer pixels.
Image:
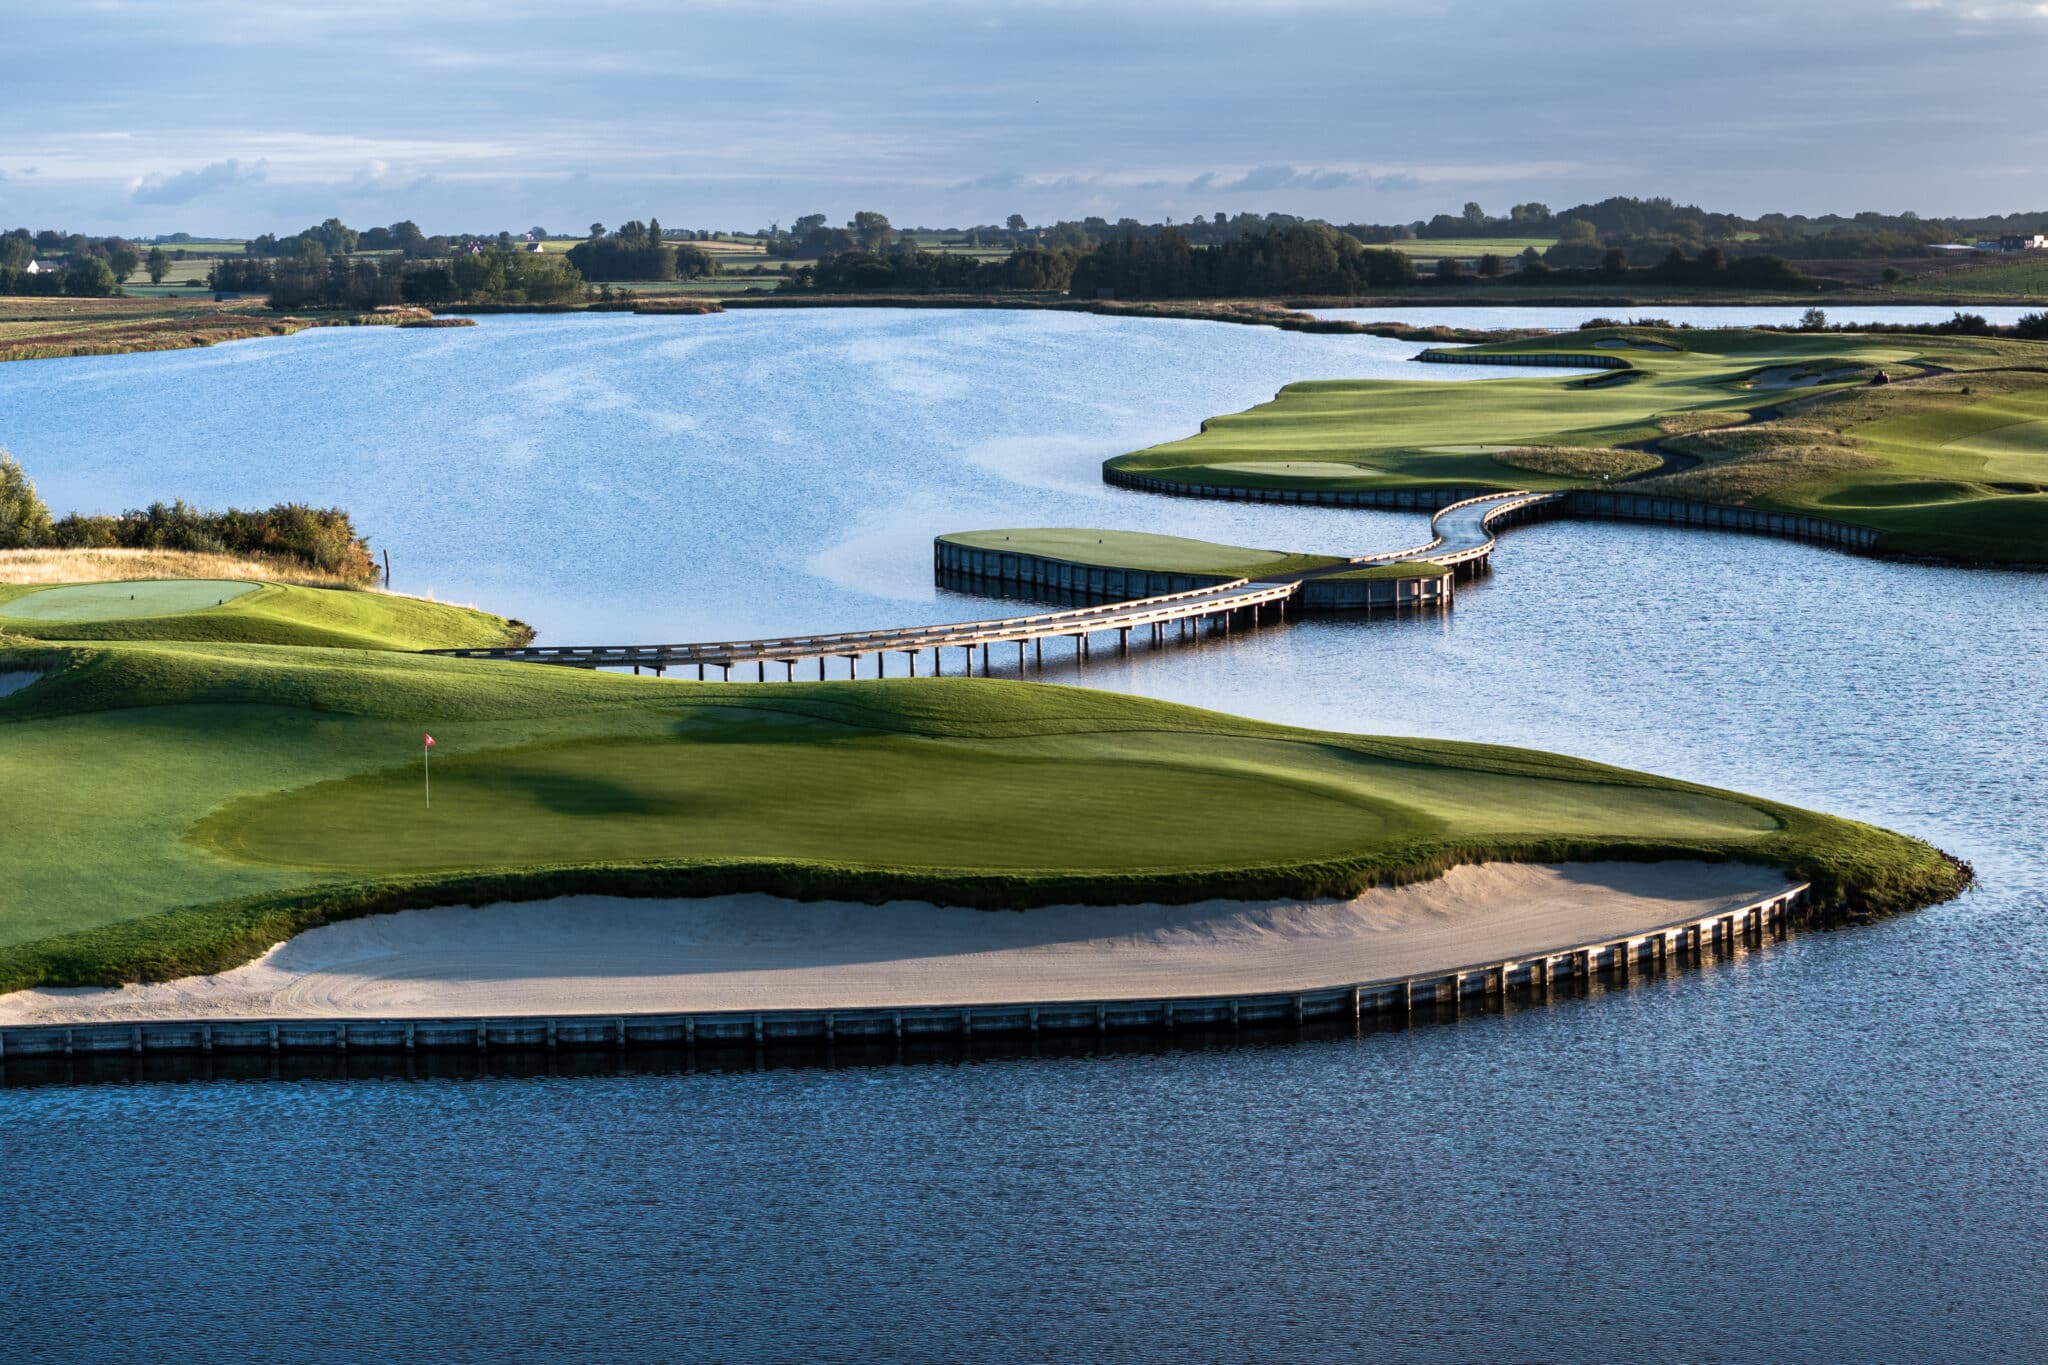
[
  {"x": 24, "y": 519},
  {"x": 322, "y": 537}
]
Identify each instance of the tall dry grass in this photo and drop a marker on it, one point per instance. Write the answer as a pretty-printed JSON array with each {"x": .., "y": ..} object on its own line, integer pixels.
[{"x": 115, "y": 565}]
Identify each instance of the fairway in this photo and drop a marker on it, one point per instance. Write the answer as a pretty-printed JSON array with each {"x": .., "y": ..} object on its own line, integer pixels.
[
  {"x": 1945, "y": 459},
  {"x": 121, "y": 601}
]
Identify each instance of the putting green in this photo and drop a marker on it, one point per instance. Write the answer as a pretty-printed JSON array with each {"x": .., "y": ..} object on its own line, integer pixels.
[{"x": 123, "y": 601}]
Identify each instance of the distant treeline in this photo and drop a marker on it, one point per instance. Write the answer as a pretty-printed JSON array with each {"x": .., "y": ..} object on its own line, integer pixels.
[
  {"x": 635, "y": 251},
  {"x": 81, "y": 267},
  {"x": 321, "y": 537},
  {"x": 315, "y": 280},
  {"x": 1308, "y": 259}
]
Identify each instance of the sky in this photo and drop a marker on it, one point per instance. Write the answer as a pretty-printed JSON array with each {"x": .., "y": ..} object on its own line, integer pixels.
[{"x": 235, "y": 117}]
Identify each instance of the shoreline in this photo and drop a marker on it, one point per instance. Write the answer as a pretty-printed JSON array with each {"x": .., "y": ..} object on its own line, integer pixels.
[{"x": 606, "y": 955}]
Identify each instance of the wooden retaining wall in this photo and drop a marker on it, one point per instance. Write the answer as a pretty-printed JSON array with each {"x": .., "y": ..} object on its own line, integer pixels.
[
  {"x": 1395, "y": 499},
  {"x": 1552, "y": 360},
  {"x": 1690, "y": 940},
  {"x": 1588, "y": 504},
  {"x": 1378, "y": 594},
  {"x": 1618, "y": 506},
  {"x": 1009, "y": 573}
]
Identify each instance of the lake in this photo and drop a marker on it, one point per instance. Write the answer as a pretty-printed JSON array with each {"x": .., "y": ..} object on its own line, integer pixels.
[{"x": 1832, "y": 1150}]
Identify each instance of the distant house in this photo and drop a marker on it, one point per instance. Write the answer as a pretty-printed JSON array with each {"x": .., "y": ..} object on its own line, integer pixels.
[
  {"x": 36, "y": 268},
  {"x": 536, "y": 248},
  {"x": 2034, "y": 242}
]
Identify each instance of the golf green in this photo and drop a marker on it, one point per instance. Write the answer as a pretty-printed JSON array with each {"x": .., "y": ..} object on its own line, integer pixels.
[{"x": 120, "y": 601}]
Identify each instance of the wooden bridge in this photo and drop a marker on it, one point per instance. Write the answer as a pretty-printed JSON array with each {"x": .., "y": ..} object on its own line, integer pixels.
[{"x": 1461, "y": 537}]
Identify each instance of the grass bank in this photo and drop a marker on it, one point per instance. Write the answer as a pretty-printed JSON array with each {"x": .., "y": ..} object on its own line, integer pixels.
[
  {"x": 245, "y": 612},
  {"x": 54, "y": 328}
]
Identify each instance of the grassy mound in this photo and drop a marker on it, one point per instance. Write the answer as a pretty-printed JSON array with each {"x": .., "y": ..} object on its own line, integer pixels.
[
  {"x": 261, "y": 791},
  {"x": 246, "y": 613},
  {"x": 1950, "y": 459}
]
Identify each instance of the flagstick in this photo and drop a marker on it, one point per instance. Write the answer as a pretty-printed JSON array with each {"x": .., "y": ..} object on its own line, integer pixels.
[{"x": 427, "y": 773}]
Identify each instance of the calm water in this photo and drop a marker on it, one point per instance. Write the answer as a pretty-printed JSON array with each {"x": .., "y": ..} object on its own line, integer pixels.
[{"x": 1835, "y": 1150}]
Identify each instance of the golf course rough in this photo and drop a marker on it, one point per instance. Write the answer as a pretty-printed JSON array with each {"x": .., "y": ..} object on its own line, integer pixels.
[
  {"x": 245, "y": 612},
  {"x": 225, "y": 796},
  {"x": 1947, "y": 460}
]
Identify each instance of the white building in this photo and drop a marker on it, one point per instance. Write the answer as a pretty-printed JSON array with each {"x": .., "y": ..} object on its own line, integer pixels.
[{"x": 36, "y": 268}]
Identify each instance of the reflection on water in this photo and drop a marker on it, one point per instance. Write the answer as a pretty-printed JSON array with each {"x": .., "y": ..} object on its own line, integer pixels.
[{"x": 1832, "y": 1150}]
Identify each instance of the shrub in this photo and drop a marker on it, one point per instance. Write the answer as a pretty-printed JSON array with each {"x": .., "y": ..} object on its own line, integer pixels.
[{"x": 24, "y": 518}]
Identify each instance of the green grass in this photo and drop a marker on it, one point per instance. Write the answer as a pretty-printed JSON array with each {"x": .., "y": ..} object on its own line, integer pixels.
[
  {"x": 1139, "y": 550},
  {"x": 1504, "y": 247},
  {"x": 268, "y": 613},
  {"x": 2022, "y": 281},
  {"x": 1407, "y": 568},
  {"x": 1937, "y": 469},
  {"x": 177, "y": 807}
]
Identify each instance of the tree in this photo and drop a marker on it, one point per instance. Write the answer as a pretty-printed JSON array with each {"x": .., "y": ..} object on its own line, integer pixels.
[
  {"x": 122, "y": 259},
  {"x": 654, "y": 231},
  {"x": 1015, "y": 223},
  {"x": 1892, "y": 275},
  {"x": 871, "y": 230},
  {"x": 158, "y": 263},
  {"x": 539, "y": 234},
  {"x": 91, "y": 278},
  {"x": 1492, "y": 267},
  {"x": 806, "y": 225},
  {"x": 1615, "y": 262},
  {"x": 24, "y": 519},
  {"x": 1812, "y": 320},
  {"x": 596, "y": 231},
  {"x": 1449, "y": 269},
  {"x": 1474, "y": 215}
]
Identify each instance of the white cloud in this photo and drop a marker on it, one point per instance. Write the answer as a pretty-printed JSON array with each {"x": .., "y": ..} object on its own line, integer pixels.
[{"x": 186, "y": 186}]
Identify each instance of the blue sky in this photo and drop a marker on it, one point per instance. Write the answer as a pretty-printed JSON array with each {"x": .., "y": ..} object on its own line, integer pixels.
[{"x": 141, "y": 116}]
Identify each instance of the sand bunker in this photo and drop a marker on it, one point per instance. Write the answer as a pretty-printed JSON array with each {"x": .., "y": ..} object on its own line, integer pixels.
[
  {"x": 1787, "y": 378},
  {"x": 590, "y": 954}
]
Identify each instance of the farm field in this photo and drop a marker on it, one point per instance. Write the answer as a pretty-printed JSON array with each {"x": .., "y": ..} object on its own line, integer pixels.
[
  {"x": 1430, "y": 248},
  {"x": 259, "y": 789},
  {"x": 1946, "y": 461}
]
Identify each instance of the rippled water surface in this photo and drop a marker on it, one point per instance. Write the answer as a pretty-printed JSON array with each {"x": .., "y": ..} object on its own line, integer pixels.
[{"x": 1836, "y": 1149}]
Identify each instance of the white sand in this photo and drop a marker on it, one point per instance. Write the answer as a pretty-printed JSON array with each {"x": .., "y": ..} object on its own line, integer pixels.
[{"x": 594, "y": 954}]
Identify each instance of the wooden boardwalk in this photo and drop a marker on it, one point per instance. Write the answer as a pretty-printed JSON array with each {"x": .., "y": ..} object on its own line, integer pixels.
[{"x": 1461, "y": 537}]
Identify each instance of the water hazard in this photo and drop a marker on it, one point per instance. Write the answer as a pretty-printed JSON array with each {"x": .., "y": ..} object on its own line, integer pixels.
[{"x": 1830, "y": 1150}]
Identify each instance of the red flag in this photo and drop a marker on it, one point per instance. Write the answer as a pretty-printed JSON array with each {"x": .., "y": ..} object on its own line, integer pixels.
[{"x": 430, "y": 741}]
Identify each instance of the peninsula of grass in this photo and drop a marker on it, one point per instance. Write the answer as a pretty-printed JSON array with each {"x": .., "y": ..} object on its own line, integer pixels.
[
  {"x": 1405, "y": 568},
  {"x": 244, "y": 612},
  {"x": 1142, "y": 551},
  {"x": 177, "y": 806},
  {"x": 1948, "y": 460}
]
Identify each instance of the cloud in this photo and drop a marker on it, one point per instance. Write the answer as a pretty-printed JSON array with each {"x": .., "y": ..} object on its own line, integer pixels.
[
  {"x": 378, "y": 178},
  {"x": 1265, "y": 179},
  {"x": 186, "y": 186}
]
